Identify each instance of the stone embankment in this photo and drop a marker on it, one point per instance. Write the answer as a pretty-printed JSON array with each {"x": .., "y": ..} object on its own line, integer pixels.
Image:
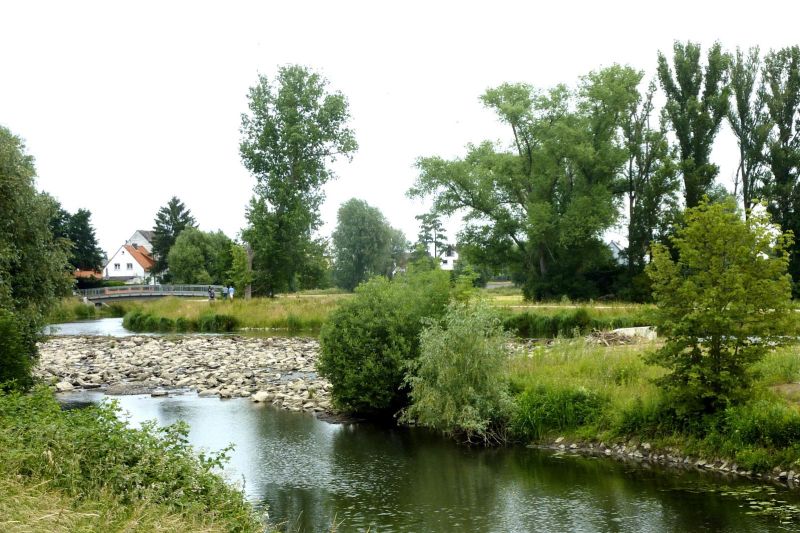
[
  {"x": 280, "y": 371},
  {"x": 643, "y": 452}
]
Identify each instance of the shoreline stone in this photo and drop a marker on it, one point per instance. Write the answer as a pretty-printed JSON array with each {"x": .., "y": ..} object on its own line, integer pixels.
[
  {"x": 282, "y": 369},
  {"x": 644, "y": 455}
]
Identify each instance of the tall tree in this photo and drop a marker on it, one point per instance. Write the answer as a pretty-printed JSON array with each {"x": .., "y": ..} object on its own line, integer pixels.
[
  {"x": 781, "y": 96},
  {"x": 362, "y": 244},
  {"x": 543, "y": 206},
  {"x": 240, "y": 273},
  {"x": 86, "y": 253},
  {"x": 649, "y": 181},
  {"x": 294, "y": 130},
  {"x": 697, "y": 101},
  {"x": 170, "y": 221},
  {"x": 750, "y": 125},
  {"x": 200, "y": 257},
  {"x": 431, "y": 232},
  {"x": 33, "y": 265}
]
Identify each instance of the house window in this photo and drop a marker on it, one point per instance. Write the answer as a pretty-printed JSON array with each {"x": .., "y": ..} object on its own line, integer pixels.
[
  {"x": 130, "y": 266},
  {"x": 116, "y": 266},
  {"x": 444, "y": 261}
]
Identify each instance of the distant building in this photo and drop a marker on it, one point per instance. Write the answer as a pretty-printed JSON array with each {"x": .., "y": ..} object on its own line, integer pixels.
[
  {"x": 131, "y": 264},
  {"x": 448, "y": 258},
  {"x": 143, "y": 239}
]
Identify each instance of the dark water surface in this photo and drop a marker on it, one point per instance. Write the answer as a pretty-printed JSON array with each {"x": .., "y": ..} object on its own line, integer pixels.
[{"x": 314, "y": 474}]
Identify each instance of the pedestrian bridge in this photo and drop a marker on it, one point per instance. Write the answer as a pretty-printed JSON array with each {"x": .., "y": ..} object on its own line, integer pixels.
[{"x": 104, "y": 294}]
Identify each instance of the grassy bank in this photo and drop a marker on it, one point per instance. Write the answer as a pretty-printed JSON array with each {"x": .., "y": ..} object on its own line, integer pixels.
[
  {"x": 588, "y": 392},
  {"x": 295, "y": 313},
  {"x": 84, "y": 470},
  {"x": 72, "y": 309}
]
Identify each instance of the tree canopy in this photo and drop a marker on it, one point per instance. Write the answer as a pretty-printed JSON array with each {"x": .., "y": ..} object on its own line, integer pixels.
[
  {"x": 198, "y": 257},
  {"x": 34, "y": 268},
  {"x": 170, "y": 221},
  {"x": 544, "y": 204},
  {"x": 294, "y": 130},
  {"x": 362, "y": 244}
]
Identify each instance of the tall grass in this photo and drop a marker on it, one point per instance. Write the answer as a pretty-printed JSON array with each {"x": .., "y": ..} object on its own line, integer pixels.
[
  {"x": 293, "y": 312},
  {"x": 569, "y": 322},
  {"x": 72, "y": 309}
]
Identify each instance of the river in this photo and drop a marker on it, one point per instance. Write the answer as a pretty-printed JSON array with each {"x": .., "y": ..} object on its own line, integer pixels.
[{"x": 315, "y": 475}]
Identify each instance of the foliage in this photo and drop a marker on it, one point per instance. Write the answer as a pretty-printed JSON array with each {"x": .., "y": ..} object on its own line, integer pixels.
[
  {"x": 15, "y": 368},
  {"x": 697, "y": 101},
  {"x": 541, "y": 208},
  {"x": 650, "y": 184},
  {"x": 362, "y": 244},
  {"x": 431, "y": 233},
  {"x": 542, "y": 410},
  {"x": 208, "y": 322},
  {"x": 92, "y": 452},
  {"x": 240, "y": 273},
  {"x": 781, "y": 95},
  {"x": 368, "y": 341},
  {"x": 198, "y": 257},
  {"x": 721, "y": 304},
  {"x": 33, "y": 265},
  {"x": 458, "y": 384},
  {"x": 294, "y": 130},
  {"x": 750, "y": 124},
  {"x": 170, "y": 221},
  {"x": 570, "y": 323},
  {"x": 85, "y": 252}
]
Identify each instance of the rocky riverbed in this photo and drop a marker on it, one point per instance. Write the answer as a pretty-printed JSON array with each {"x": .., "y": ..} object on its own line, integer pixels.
[{"x": 280, "y": 371}]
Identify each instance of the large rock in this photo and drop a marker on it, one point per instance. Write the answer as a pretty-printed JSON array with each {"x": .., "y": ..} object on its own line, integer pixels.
[
  {"x": 64, "y": 386},
  {"x": 262, "y": 396}
]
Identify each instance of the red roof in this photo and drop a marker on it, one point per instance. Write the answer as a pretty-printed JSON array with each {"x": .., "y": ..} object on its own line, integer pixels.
[
  {"x": 87, "y": 274},
  {"x": 142, "y": 256}
]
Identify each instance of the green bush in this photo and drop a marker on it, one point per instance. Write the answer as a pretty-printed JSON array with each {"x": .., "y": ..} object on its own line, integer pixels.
[
  {"x": 763, "y": 423},
  {"x": 458, "y": 383},
  {"x": 16, "y": 356},
  {"x": 368, "y": 340},
  {"x": 114, "y": 310},
  {"x": 543, "y": 410},
  {"x": 92, "y": 452},
  {"x": 184, "y": 325},
  {"x": 293, "y": 323},
  {"x": 166, "y": 325}
]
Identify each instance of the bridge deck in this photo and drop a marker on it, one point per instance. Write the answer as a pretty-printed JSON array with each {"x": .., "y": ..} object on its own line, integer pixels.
[{"x": 149, "y": 291}]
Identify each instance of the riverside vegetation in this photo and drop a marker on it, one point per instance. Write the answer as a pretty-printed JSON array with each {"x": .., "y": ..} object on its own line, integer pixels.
[{"x": 720, "y": 385}]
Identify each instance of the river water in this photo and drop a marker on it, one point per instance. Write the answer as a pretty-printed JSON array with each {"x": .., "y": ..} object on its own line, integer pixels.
[{"x": 318, "y": 476}]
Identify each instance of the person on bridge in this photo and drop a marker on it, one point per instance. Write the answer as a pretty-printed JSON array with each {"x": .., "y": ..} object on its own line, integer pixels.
[
  {"x": 230, "y": 292},
  {"x": 210, "y": 293}
]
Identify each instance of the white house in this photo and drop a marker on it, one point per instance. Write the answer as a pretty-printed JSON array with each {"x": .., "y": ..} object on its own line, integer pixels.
[
  {"x": 131, "y": 264},
  {"x": 143, "y": 239},
  {"x": 448, "y": 258}
]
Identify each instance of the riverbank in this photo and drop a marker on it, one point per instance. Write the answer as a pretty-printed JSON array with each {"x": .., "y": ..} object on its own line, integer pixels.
[
  {"x": 85, "y": 470},
  {"x": 280, "y": 371}
]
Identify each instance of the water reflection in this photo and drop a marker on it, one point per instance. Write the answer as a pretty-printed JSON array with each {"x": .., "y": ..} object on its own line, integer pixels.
[{"x": 313, "y": 474}]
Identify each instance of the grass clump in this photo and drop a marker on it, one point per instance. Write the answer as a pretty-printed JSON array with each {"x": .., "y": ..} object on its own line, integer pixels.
[
  {"x": 90, "y": 455},
  {"x": 543, "y": 410}
]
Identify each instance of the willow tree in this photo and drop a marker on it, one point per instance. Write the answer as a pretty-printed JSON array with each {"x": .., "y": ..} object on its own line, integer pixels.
[
  {"x": 542, "y": 203},
  {"x": 294, "y": 130}
]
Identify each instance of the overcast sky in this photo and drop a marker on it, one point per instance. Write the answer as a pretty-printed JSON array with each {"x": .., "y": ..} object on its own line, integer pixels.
[{"x": 125, "y": 104}]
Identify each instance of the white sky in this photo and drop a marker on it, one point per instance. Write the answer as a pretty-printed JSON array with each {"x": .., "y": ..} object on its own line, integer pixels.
[{"x": 125, "y": 104}]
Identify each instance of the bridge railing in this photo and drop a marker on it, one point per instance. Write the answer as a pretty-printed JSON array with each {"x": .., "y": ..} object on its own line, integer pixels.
[{"x": 130, "y": 291}]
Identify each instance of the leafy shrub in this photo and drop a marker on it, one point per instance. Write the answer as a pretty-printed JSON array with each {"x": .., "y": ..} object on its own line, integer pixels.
[
  {"x": 133, "y": 320},
  {"x": 115, "y": 310},
  {"x": 723, "y": 303},
  {"x": 183, "y": 325},
  {"x": 92, "y": 452},
  {"x": 368, "y": 340},
  {"x": 166, "y": 324},
  {"x": 542, "y": 410},
  {"x": 763, "y": 423},
  {"x": 458, "y": 383},
  {"x": 16, "y": 356}
]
